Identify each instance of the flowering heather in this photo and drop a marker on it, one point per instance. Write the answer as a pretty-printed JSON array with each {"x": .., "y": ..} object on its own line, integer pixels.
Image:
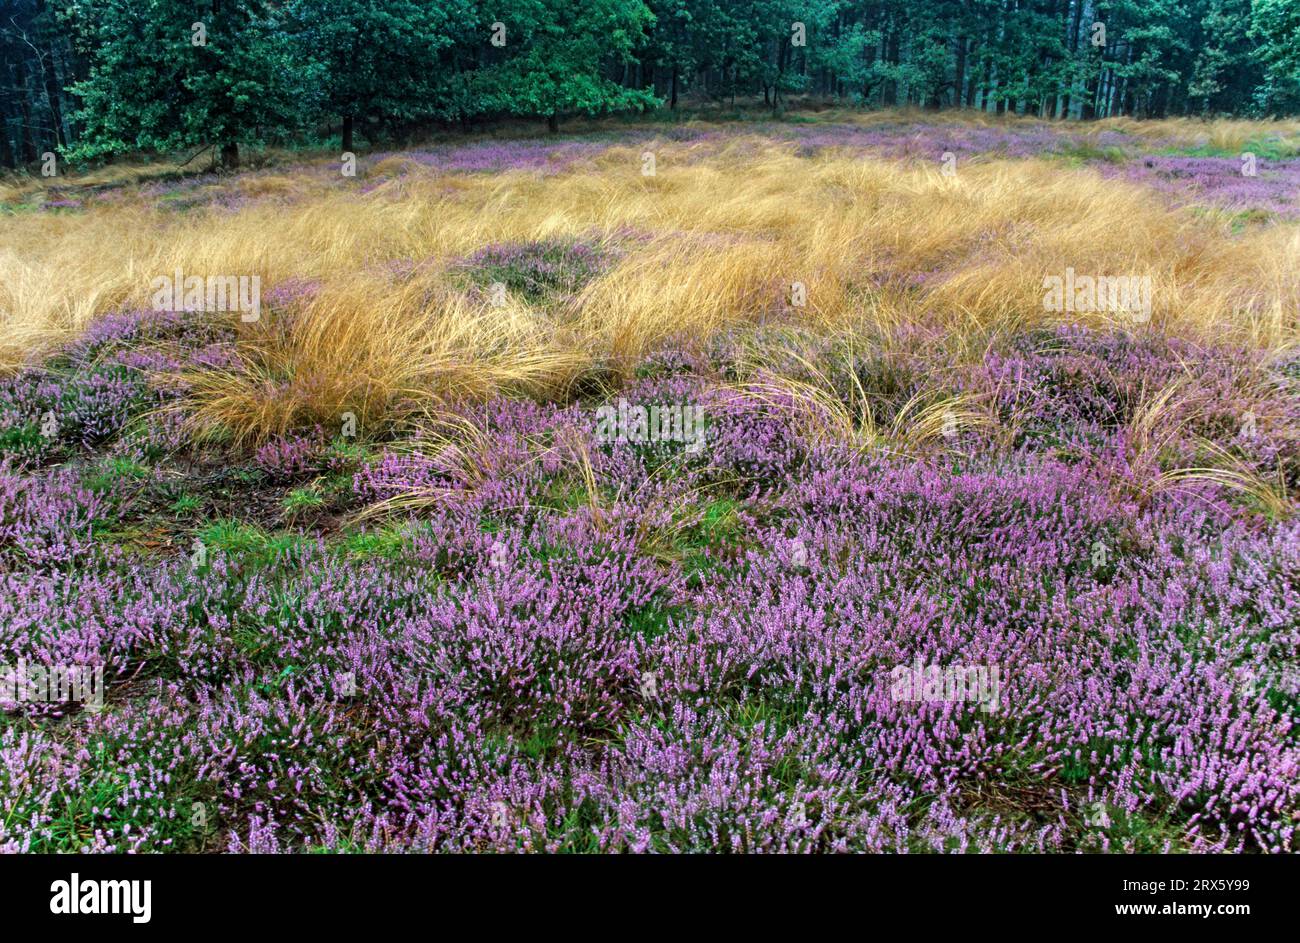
[
  {"x": 116, "y": 376},
  {"x": 45, "y": 414},
  {"x": 482, "y": 156},
  {"x": 571, "y": 643},
  {"x": 286, "y": 458},
  {"x": 413, "y": 563},
  {"x": 920, "y": 141},
  {"x": 291, "y": 292},
  {"x": 1214, "y": 181},
  {"x": 1219, "y": 181},
  {"x": 536, "y": 270},
  {"x": 45, "y": 521}
]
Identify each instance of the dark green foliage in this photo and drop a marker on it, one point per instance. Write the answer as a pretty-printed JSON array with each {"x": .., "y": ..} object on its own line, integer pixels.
[
  {"x": 90, "y": 79},
  {"x": 170, "y": 74},
  {"x": 370, "y": 61}
]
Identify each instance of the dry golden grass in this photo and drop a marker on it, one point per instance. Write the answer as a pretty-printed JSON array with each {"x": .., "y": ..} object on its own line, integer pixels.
[
  {"x": 720, "y": 235},
  {"x": 814, "y": 403},
  {"x": 15, "y": 188},
  {"x": 336, "y": 359},
  {"x": 1229, "y": 134}
]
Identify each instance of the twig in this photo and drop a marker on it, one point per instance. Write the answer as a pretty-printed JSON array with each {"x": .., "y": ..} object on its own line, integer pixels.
[{"x": 205, "y": 147}]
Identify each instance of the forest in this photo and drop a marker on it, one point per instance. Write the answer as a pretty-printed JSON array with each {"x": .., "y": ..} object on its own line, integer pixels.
[{"x": 89, "y": 80}]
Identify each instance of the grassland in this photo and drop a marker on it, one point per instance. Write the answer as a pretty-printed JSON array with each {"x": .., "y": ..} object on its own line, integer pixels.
[{"x": 369, "y": 571}]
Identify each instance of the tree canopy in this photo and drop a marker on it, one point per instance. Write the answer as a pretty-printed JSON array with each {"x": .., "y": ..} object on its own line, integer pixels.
[{"x": 94, "y": 78}]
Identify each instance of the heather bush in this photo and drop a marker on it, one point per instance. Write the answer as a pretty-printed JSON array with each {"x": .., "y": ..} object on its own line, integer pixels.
[
  {"x": 537, "y": 270},
  {"x": 45, "y": 522},
  {"x": 291, "y": 457},
  {"x": 485, "y": 617},
  {"x": 579, "y": 644}
]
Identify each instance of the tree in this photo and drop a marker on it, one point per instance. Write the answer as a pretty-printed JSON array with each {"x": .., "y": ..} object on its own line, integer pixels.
[
  {"x": 671, "y": 43},
  {"x": 35, "y": 66},
  {"x": 94, "y": 78},
  {"x": 552, "y": 58},
  {"x": 372, "y": 57},
  {"x": 163, "y": 77},
  {"x": 1276, "y": 25}
]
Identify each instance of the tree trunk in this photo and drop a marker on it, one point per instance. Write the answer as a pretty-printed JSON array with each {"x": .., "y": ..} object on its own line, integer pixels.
[
  {"x": 26, "y": 143},
  {"x": 347, "y": 134},
  {"x": 673, "y": 102},
  {"x": 553, "y": 123},
  {"x": 781, "y": 61},
  {"x": 1072, "y": 42},
  {"x": 52, "y": 102},
  {"x": 230, "y": 156},
  {"x": 959, "y": 83},
  {"x": 6, "y": 151},
  {"x": 891, "y": 58}
]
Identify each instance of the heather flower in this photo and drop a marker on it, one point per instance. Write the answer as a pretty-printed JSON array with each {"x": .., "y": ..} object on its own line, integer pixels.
[
  {"x": 577, "y": 644},
  {"x": 44, "y": 521},
  {"x": 290, "y": 457},
  {"x": 537, "y": 270},
  {"x": 1218, "y": 181}
]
